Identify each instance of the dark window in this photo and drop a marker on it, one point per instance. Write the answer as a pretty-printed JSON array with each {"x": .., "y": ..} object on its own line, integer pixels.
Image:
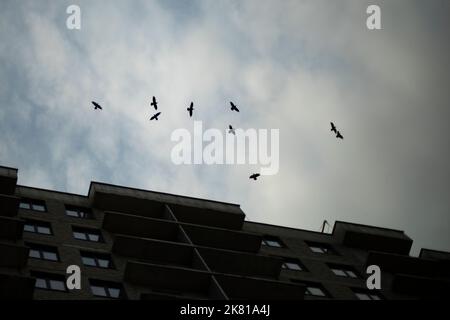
[
  {"x": 78, "y": 212},
  {"x": 43, "y": 252},
  {"x": 87, "y": 234},
  {"x": 271, "y": 241},
  {"x": 313, "y": 289},
  {"x": 94, "y": 259},
  {"x": 36, "y": 226},
  {"x": 321, "y": 248},
  {"x": 293, "y": 264},
  {"x": 343, "y": 271},
  {"x": 107, "y": 289},
  {"x": 49, "y": 281},
  {"x": 367, "y": 295},
  {"x": 31, "y": 204}
]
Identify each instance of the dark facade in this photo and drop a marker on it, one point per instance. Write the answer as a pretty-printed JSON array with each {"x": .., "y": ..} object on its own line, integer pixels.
[{"x": 137, "y": 244}]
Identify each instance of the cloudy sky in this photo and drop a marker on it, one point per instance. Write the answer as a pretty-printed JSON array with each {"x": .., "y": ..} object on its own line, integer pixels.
[{"x": 289, "y": 65}]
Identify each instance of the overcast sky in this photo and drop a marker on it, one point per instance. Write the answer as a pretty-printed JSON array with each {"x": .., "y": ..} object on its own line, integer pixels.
[{"x": 289, "y": 65}]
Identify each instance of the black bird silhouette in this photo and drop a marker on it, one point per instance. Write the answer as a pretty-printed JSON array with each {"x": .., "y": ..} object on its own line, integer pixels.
[
  {"x": 254, "y": 176},
  {"x": 190, "y": 109},
  {"x": 339, "y": 135},
  {"x": 154, "y": 103},
  {"x": 333, "y": 128},
  {"x": 155, "y": 116},
  {"x": 233, "y": 107},
  {"x": 231, "y": 130},
  {"x": 96, "y": 105}
]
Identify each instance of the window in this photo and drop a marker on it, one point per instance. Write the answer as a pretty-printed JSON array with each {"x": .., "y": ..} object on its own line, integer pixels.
[
  {"x": 94, "y": 259},
  {"x": 86, "y": 234},
  {"x": 39, "y": 251},
  {"x": 107, "y": 289},
  {"x": 78, "y": 212},
  {"x": 270, "y": 241},
  {"x": 30, "y": 204},
  {"x": 36, "y": 226},
  {"x": 367, "y": 295},
  {"x": 321, "y": 248},
  {"x": 316, "y": 291},
  {"x": 313, "y": 289},
  {"x": 343, "y": 271},
  {"x": 49, "y": 281},
  {"x": 292, "y": 264}
]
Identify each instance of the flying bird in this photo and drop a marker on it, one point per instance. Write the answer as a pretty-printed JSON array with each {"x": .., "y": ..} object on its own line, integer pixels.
[
  {"x": 339, "y": 135},
  {"x": 190, "y": 109},
  {"x": 96, "y": 105},
  {"x": 231, "y": 130},
  {"x": 155, "y": 116},
  {"x": 233, "y": 107},
  {"x": 254, "y": 176},
  {"x": 333, "y": 127},
  {"x": 154, "y": 103}
]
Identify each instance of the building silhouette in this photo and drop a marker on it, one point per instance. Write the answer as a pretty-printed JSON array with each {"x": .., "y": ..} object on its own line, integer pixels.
[{"x": 137, "y": 244}]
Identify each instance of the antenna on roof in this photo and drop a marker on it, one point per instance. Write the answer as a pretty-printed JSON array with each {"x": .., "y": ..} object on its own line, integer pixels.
[{"x": 325, "y": 222}]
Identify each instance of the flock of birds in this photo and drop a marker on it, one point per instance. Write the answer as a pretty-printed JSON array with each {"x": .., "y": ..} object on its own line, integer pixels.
[
  {"x": 338, "y": 134},
  {"x": 231, "y": 130}
]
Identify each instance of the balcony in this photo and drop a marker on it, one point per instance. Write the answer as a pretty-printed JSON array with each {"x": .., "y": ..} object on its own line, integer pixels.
[
  {"x": 11, "y": 228},
  {"x": 8, "y": 205},
  {"x": 13, "y": 287},
  {"x": 8, "y": 180},
  {"x": 110, "y": 198},
  {"x": 13, "y": 256},
  {"x": 423, "y": 287},
  {"x": 435, "y": 255},
  {"x": 209, "y": 217},
  {"x": 408, "y": 265},
  {"x": 372, "y": 238},
  {"x": 153, "y": 205},
  {"x": 164, "y": 277},
  {"x": 257, "y": 265},
  {"x": 138, "y": 226},
  {"x": 151, "y": 250},
  {"x": 243, "y": 288},
  {"x": 223, "y": 238}
]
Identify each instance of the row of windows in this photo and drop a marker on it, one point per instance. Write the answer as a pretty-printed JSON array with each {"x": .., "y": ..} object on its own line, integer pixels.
[
  {"x": 79, "y": 233},
  {"x": 317, "y": 290},
  {"x": 36, "y": 205},
  {"x": 71, "y": 211},
  {"x": 321, "y": 248},
  {"x": 113, "y": 290},
  {"x": 92, "y": 259},
  {"x": 99, "y": 288},
  {"x": 275, "y": 242},
  {"x": 107, "y": 289},
  {"x": 339, "y": 270}
]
